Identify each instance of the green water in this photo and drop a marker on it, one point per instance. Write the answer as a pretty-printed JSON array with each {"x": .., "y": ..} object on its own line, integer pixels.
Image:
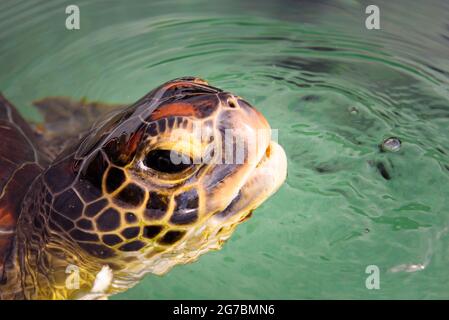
[{"x": 334, "y": 90}]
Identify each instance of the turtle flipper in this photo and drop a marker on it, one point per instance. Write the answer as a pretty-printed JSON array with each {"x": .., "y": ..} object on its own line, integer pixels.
[
  {"x": 66, "y": 120},
  {"x": 21, "y": 161}
]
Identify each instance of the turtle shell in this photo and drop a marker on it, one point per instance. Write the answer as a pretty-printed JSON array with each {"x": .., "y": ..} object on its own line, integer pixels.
[{"x": 21, "y": 161}]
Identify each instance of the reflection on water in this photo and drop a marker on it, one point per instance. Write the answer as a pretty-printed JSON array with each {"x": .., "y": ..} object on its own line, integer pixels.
[{"x": 334, "y": 90}]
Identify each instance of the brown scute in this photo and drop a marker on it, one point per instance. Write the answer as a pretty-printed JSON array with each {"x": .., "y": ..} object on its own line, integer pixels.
[
  {"x": 131, "y": 196},
  {"x": 170, "y": 122},
  {"x": 60, "y": 175},
  {"x": 151, "y": 129},
  {"x": 130, "y": 217},
  {"x": 131, "y": 232},
  {"x": 132, "y": 246},
  {"x": 87, "y": 190},
  {"x": 94, "y": 208},
  {"x": 38, "y": 222},
  {"x": 184, "y": 87},
  {"x": 122, "y": 149},
  {"x": 48, "y": 197},
  {"x": 111, "y": 239},
  {"x": 205, "y": 105},
  {"x": 83, "y": 236},
  {"x": 94, "y": 139},
  {"x": 198, "y": 106},
  {"x": 16, "y": 143},
  {"x": 186, "y": 210},
  {"x": 182, "y": 217},
  {"x": 171, "y": 237},
  {"x": 97, "y": 250},
  {"x": 173, "y": 109},
  {"x": 21, "y": 162},
  {"x": 46, "y": 209},
  {"x": 85, "y": 224},
  {"x": 114, "y": 179},
  {"x": 8, "y": 169},
  {"x": 5, "y": 247},
  {"x": 161, "y": 125},
  {"x": 151, "y": 232},
  {"x": 68, "y": 204},
  {"x": 156, "y": 206},
  {"x": 221, "y": 173},
  {"x": 53, "y": 226},
  {"x": 108, "y": 220},
  {"x": 95, "y": 170},
  {"x": 12, "y": 189},
  {"x": 61, "y": 221}
]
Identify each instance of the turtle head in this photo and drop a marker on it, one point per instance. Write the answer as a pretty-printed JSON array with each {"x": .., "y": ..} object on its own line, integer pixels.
[{"x": 171, "y": 176}]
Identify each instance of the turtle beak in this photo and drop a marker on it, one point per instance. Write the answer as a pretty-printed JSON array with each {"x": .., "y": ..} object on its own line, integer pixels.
[
  {"x": 271, "y": 163},
  {"x": 267, "y": 177},
  {"x": 269, "y": 174},
  {"x": 266, "y": 165},
  {"x": 271, "y": 171}
]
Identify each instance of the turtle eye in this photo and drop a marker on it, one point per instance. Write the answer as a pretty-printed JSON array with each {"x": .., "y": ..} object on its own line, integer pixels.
[{"x": 167, "y": 161}]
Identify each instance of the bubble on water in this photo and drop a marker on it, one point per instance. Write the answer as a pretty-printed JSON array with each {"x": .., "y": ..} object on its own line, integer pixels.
[
  {"x": 353, "y": 110},
  {"x": 391, "y": 144}
]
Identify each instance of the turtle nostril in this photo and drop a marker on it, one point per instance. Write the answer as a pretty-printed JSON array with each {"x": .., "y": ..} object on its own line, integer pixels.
[
  {"x": 268, "y": 151},
  {"x": 232, "y": 104}
]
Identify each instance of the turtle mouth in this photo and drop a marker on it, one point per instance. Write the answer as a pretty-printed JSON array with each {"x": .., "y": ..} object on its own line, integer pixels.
[
  {"x": 268, "y": 175},
  {"x": 265, "y": 179},
  {"x": 265, "y": 156}
]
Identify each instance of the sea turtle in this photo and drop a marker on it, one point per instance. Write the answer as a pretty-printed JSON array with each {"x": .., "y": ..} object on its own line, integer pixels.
[{"x": 88, "y": 208}]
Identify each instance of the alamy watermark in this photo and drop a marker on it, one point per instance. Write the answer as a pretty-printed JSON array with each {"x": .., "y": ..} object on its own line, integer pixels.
[
  {"x": 373, "y": 280},
  {"x": 372, "y": 22},
  {"x": 72, "y": 22},
  {"x": 232, "y": 146}
]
